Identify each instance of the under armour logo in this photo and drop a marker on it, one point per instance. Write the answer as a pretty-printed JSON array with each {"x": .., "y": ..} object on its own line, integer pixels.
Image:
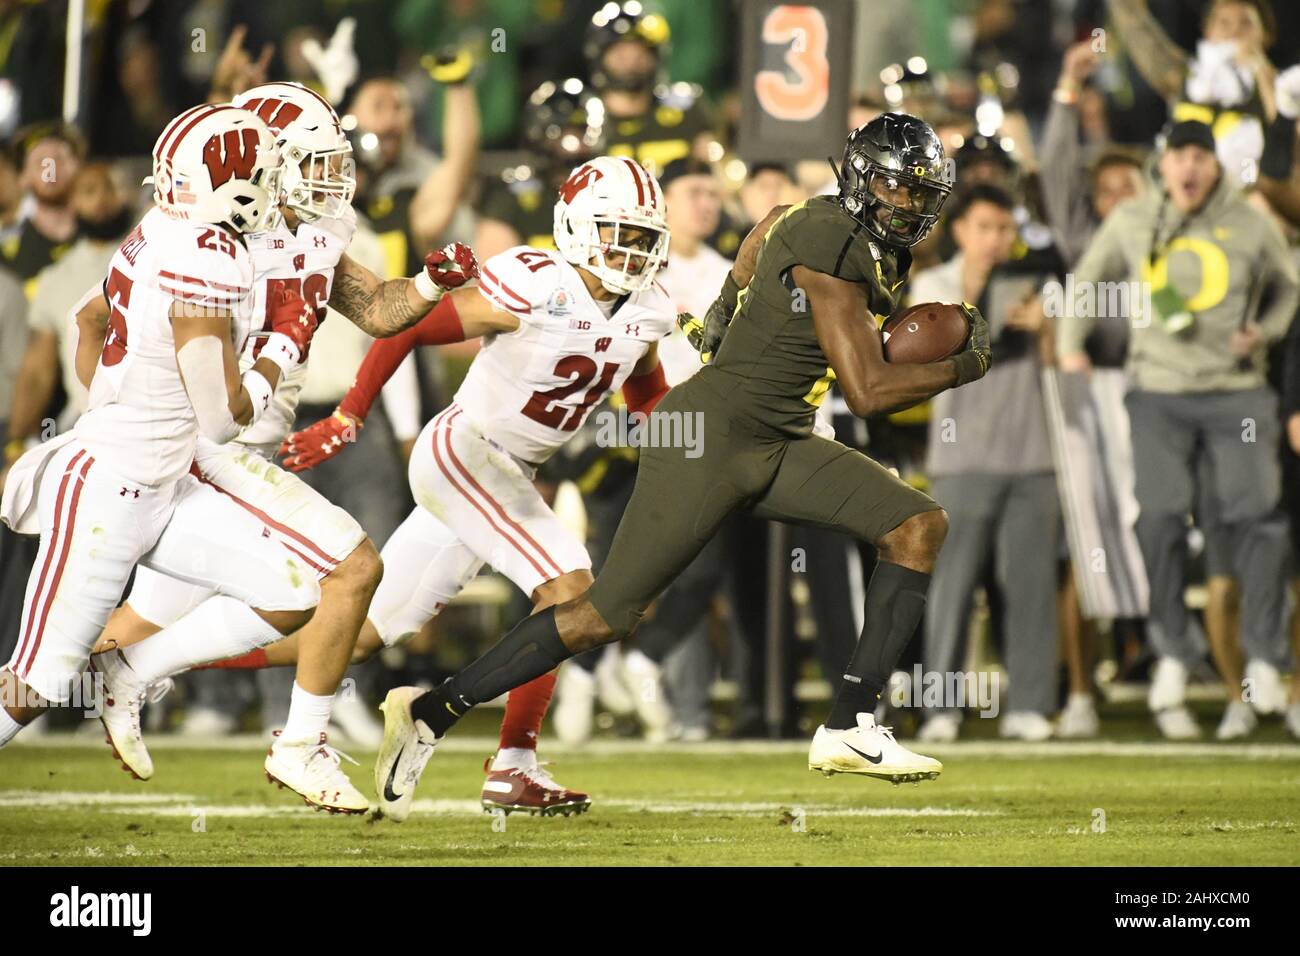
[
  {"x": 299, "y": 261},
  {"x": 634, "y": 329},
  {"x": 320, "y": 242},
  {"x": 133, "y": 492}
]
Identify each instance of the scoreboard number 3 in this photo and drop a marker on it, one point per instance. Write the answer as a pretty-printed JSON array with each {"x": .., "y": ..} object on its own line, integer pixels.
[{"x": 804, "y": 30}]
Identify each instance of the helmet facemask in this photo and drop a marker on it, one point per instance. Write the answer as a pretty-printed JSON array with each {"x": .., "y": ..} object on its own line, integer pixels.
[
  {"x": 319, "y": 184},
  {"x": 896, "y": 208},
  {"x": 625, "y": 254}
]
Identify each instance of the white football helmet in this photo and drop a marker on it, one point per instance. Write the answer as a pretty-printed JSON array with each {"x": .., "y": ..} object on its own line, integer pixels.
[
  {"x": 617, "y": 193},
  {"x": 218, "y": 164},
  {"x": 319, "y": 176}
]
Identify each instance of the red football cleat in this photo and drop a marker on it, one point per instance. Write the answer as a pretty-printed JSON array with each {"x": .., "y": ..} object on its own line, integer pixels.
[{"x": 529, "y": 791}]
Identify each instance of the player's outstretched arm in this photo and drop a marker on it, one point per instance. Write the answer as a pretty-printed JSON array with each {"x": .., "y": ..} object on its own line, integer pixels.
[
  {"x": 870, "y": 384},
  {"x": 462, "y": 314},
  {"x": 382, "y": 308}
]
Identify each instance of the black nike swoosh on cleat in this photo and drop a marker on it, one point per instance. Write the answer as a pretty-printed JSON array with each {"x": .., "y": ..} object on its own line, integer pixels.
[
  {"x": 867, "y": 757},
  {"x": 392, "y": 774}
]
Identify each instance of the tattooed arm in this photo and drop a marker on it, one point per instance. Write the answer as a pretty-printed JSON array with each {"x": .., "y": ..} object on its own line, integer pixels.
[
  {"x": 376, "y": 307},
  {"x": 1161, "y": 61}
]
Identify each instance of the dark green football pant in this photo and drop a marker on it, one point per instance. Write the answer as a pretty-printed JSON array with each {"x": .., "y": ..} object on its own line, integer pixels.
[{"x": 679, "y": 500}]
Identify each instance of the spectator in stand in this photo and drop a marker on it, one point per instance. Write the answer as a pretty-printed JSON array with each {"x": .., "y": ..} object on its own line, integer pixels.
[
  {"x": 413, "y": 198},
  {"x": 990, "y": 464},
  {"x": 103, "y": 217},
  {"x": 50, "y": 156},
  {"x": 652, "y": 123},
  {"x": 488, "y": 33},
  {"x": 1223, "y": 287},
  {"x": 1228, "y": 83}
]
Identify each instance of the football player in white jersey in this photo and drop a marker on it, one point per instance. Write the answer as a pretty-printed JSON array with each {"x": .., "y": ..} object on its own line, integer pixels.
[
  {"x": 117, "y": 490},
  {"x": 304, "y": 252},
  {"x": 561, "y": 331}
]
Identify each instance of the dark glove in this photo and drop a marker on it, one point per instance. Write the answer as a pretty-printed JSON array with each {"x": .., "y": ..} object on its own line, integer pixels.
[
  {"x": 705, "y": 335},
  {"x": 976, "y": 358}
]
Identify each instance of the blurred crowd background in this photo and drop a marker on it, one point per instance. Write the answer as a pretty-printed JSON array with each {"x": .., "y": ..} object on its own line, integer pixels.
[{"x": 1057, "y": 112}]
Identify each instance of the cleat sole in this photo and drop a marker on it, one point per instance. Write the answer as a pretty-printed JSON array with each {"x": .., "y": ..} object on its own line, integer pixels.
[{"x": 345, "y": 811}]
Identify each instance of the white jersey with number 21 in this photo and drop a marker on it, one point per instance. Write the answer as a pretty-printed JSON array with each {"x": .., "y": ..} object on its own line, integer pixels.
[{"x": 531, "y": 389}]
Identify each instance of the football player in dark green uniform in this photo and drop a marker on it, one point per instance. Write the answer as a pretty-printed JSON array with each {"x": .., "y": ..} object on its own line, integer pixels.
[{"x": 824, "y": 269}]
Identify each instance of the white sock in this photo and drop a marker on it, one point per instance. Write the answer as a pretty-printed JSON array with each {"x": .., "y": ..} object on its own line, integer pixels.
[
  {"x": 218, "y": 628},
  {"x": 308, "y": 715},
  {"x": 8, "y": 727},
  {"x": 515, "y": 758}
]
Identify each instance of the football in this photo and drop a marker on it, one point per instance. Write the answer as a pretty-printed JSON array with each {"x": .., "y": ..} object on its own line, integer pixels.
[{"x": 929, "y": 332}]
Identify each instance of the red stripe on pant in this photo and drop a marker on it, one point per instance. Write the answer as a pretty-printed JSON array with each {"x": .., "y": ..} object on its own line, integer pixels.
[
  {"x": 526, "y": 707},
  {"x": 555, "y": 567},
  {"x": 62, "y": 539},
  {"x": 325, "y": 565},
  {"x": 49, "y": 557},
  {"x": 442, "y": 429}
]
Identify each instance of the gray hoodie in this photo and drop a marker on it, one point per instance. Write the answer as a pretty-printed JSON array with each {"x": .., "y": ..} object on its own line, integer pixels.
[{"x": 1225, "y": 260}]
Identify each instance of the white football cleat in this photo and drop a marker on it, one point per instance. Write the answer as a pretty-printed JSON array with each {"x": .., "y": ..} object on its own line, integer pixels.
[
  {"x": 572, "y": 714},
  {"x": 1079, "y": 718},
  {"x": 1267, "y": 695},
  {"x": 1177, "y": 723},
  {"x": 871, "y": 751},
  {"x": 1025, "y": 725},
  {"x": 941, "y": 728},
  {"x": 311, "y": 768},
  {"x": 1168, "y": 685},
  {"x": 1238, "y": 721},
  {"x": 644, "y": 680},
  {"x": 123, "y": 696},
  {"x": 402, "y": 756}
]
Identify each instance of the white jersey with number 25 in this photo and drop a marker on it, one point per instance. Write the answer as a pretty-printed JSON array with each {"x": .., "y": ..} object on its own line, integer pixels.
[{"x": 139, "y": 419}]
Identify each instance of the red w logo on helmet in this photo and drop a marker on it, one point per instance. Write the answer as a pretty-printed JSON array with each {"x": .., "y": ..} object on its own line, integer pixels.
[
  {"x": 276, "y": 114},
  {"x": 229, "y": 155},
  {"x": 582, "y": 177}
]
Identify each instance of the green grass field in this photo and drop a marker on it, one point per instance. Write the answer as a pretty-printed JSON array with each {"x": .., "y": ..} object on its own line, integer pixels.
[{"x": 68, "y": 803}]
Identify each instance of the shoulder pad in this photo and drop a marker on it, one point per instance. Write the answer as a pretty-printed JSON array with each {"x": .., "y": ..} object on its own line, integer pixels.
[{"x": 519, "y": 279}]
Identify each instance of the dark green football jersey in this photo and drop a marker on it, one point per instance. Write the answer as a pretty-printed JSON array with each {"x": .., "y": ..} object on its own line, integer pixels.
[{"x": 771, "y": 349}]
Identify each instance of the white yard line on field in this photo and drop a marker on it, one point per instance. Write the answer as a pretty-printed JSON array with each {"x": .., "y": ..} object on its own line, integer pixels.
[
  {"x": 187, "y": 805},
  {"x": 999, "y": 749}
]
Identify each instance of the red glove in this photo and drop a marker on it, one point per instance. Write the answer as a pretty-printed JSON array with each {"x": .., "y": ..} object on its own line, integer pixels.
[
  {"x": 445, "y": 269},
  {"x": 293, "y": 323},
  {"x": 319, "y": 442}
]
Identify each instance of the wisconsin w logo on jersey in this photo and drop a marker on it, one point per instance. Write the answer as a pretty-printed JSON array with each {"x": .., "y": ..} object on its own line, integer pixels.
[
  {"x": 603, "y": 343},
  {"x": 230, "y": 154}
]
